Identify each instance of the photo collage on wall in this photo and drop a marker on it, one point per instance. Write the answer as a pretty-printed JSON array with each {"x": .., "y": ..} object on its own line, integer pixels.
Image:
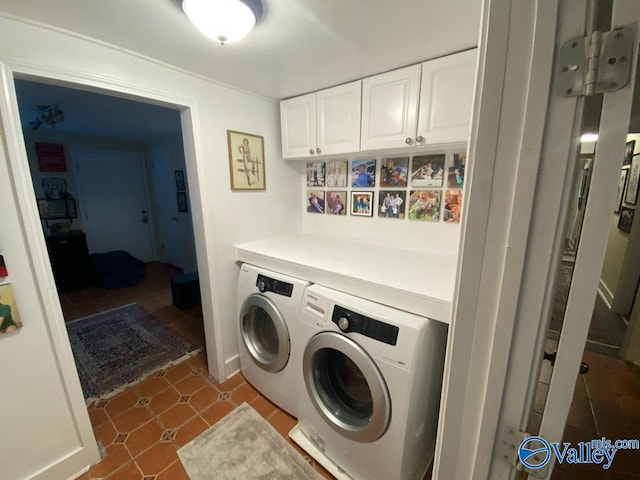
[{"x": 424, "y": 187}]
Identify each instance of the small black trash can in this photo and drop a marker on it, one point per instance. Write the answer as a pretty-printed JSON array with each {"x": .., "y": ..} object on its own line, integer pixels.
[{"x": 185, "y": 290}]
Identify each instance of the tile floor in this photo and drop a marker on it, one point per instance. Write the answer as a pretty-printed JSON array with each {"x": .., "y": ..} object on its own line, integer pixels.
[
  {"x": 606, "y": 402},
  {"x": 142, "y": 428}
]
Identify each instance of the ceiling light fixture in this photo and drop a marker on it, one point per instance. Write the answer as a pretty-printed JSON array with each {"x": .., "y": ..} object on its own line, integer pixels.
[
  {"x": 589, "y": 137},
  {"x": 225, "y": 21}
]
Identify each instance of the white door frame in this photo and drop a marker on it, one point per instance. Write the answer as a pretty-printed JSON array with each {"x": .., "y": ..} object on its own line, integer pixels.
[
  {"x": 510, "y": 119},
  {"x": 34, "y": 238}
]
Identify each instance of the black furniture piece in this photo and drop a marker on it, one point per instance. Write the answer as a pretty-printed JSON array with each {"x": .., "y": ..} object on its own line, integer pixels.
[
  {"x": 69, "y": 257},
  {"x": 185, "y": 290}
]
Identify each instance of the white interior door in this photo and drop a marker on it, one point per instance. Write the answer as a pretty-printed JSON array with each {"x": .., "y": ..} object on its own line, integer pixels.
[
  {"x": 112, "y": 199},
  {"x": 164, "y": 186}
]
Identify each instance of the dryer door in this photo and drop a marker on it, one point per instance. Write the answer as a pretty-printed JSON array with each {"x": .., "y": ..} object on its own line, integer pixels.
[
  {"x": 264, "y": 333},
  {"x": 346, "y": 387}
]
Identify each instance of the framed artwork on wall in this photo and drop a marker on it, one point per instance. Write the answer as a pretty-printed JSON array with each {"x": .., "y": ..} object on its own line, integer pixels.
[
  {"x": 362, "y": 204},
  {"x": 624, "y": 173},
  {"x": 180, "y": 183},
  {"x": 391, "y": 204},
  {"x": 336, "y": 202},
  {"x": 337, "y": 173},
  {"x": 452, "y": 206},
  {"x": 315, "y": 174},
  {"x": 246, "y": 161},
  {"x": 626, "y": 219},
  {"x": 51, "y": 157},
  {"x": 427, "y": 170},
  {"x": 393, "y": 172},
  {"x": 631, "y": 196},
  {"x": 183, "y": 206},
  {"x": 315, "y": 201},
  {"x": 628, "y": 152},
  {"x": 363, "y": 173},
  {"x": 10, "y": 318},
  {"x": 424, "y": 205}
]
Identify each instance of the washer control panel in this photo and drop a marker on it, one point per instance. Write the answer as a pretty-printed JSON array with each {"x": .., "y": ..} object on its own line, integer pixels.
[
  {"x": 267, "y": 284},
  {"x": 349, "y": 321}
]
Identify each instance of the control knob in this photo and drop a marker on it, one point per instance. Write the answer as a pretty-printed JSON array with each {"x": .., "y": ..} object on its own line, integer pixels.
[
  {"x": 262, "y": 286},
  {"x": 343, "y": 323}
]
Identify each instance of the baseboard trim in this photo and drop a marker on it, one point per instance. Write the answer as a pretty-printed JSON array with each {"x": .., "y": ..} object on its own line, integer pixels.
[
  {"x": 232, "y": 366},
  {"x": 605, "y": 294}
]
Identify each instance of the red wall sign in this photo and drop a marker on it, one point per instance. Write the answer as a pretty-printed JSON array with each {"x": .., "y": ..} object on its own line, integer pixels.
[{"x": 51, "y": 157}]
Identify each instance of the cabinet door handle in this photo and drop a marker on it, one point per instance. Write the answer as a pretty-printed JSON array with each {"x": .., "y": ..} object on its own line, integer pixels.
[
  {"x": 318, "y": 151},
  {"x": 408, "y": 140},
  {"x": 419, "y": 139},
  {"x": 311, "y": 151}
]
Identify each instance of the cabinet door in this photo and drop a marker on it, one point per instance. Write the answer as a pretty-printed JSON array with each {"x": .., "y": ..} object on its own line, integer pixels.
[
  {"x": 338, "y": 116},
  {"x": 298, "y": 123},
  {"x": 446, "y": 98},
  {"x": 389, "y": 109}
]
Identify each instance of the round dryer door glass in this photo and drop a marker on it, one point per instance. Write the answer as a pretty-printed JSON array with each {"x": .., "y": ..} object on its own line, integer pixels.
[
  {"x": 264, "y": 333},
  {"x": 346, "y": 387}
]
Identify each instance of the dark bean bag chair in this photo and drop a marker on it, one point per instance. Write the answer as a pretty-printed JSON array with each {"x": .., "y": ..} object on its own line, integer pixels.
[{"x": 116, "y": 269}]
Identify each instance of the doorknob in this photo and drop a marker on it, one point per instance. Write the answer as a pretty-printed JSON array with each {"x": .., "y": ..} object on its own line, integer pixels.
[{"x": 144, "y": 218}]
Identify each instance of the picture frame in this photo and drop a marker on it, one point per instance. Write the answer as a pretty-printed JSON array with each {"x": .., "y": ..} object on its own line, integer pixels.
[
  {"x": 427, "y": 170},
  {"x": 392, "y": 204},
  {"x": 337, "y": 173},
  {"x": 362, "y": 204},
  {"x": 394, "y": 172},
  {"x": 180, "y": 183},
  {"x": 8, "y": 310},
  {"x": 425, "y": 205},
  {"x": 628, "y": 152},
  {"x": 631, "y": 195},
  {"x": 622, "y": 183},
  {"x": 336, "y": 202},
  {"x": 246, "y": 161},
  {"x": 626, "y": 219},
  {"x": 315, "y": 174},
  {"x": 315, "y": 201},
  {"x": 363, "y": 173},
  {"x": 183, "y": 206}
]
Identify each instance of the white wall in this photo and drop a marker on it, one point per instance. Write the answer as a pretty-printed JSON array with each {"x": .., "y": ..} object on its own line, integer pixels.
[
  {"x": 41, "y": 420},
  {"x": 438, "y": 237}
]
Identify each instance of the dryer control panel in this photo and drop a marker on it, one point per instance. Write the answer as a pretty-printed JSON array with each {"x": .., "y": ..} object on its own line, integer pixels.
[
  {"x": 267, "y": 284},
  {"x": 349, "y": 321}
]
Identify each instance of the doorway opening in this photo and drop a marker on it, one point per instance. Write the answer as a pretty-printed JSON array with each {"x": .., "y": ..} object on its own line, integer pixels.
[{"x": 128, "y": 237}]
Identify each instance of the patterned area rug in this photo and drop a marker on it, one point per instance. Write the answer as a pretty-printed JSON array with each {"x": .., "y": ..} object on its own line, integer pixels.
[
  {"x": 606, "y": 331},
  {"x": 120, "y": 346},
  {"x": 244, "y": 445}
]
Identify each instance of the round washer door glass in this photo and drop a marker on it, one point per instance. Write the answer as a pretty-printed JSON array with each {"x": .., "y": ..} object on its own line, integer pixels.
[
  {"x": 346, "y": 387},
  {"x": 264, "y": 333}
]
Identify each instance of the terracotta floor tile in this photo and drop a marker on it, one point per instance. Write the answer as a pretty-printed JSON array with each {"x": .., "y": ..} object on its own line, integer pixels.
[
  {"x": 190, "y": 430},
  {"x": 164, "y": 400},
  {"x": 282, "y": 422},
  {"x": 581, "y": 416},
  {"x": 178, "y": 372},
  {"x": 230, "y": 383},
  {"x": 199, "y": 360},
  {"x": 117, "y": 455},
  {"x": 177, "y": 416},
  {"x": 175, "y": 471},
  {"x": 263, "y": 406},
  {"x": 84, "y": 476},
  {"x": 143, "y": 437},
  {"x": 105, "y": 433},
  {"x": 203, "y": 397},
  {"x": 129, "y": 472},
  {"x": 244, "y": 393},
  {"x": 157, "y": 458},
  {"x": 190, "y": 384},
  {"x": 131, "y": 419},
  {"x": 121, "y": 403},
  {"x": 152, "y": 387},
  {"x": 322, "y": 471},
  {"x": 97, "y": 416},
  {"x": 217, "y": 411}
]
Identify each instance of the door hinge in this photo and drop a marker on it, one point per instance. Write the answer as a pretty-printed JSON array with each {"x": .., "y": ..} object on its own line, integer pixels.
[
  {"x": 600, "y": 62},
  {"x": 508, "y": 447}
]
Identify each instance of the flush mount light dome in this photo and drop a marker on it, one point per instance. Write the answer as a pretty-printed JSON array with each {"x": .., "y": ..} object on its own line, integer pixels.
[{"x": 225, "y": 21}]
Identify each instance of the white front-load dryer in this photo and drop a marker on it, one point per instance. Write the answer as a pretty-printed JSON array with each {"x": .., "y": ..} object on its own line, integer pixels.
[
  {"x": 372, "y": 378},
  {"x": 268, "y": 325}
]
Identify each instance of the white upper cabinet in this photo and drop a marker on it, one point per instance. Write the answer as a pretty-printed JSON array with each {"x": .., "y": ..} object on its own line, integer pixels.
[
  {"x": 392, "y": 116},
  {"x": 298, "y": 124},
  {"x": 389, "y": 109},
  {"x": 322, "y": 123},
  {"x": 446, "y": 97}
]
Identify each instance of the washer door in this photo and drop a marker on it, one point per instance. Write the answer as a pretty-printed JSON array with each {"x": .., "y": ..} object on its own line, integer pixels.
[
  {"x": 346, "y": 387},
  {"x": 264, "y": 333}
]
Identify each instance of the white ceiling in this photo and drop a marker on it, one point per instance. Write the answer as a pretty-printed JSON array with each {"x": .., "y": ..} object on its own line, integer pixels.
[{"x": 298, "y": 46}]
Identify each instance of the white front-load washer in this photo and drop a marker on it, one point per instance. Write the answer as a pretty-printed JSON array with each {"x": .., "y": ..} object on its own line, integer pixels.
[
  {"x": 268, "y": 320},
  {"x": 370, "y": 394}
]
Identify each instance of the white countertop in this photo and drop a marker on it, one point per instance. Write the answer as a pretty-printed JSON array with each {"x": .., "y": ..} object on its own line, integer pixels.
[{"x": 419, "y": 282}]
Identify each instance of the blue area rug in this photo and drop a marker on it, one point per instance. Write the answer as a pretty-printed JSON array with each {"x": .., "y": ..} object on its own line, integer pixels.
[{"x": 119, "y": 346}]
